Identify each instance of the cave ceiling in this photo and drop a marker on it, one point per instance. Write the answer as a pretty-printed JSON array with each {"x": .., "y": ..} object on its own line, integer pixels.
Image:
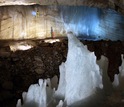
[{"x": 117, "y": 5}]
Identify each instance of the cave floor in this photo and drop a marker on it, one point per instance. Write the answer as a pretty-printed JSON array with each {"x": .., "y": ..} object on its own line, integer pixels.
[{"x": 20, "y": 69}]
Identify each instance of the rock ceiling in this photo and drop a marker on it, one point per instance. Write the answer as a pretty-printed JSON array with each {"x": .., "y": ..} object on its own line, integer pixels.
[{"x": 117, "y": 5}]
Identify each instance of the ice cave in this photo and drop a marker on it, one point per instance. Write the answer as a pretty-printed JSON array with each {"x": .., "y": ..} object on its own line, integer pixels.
[{"x": 61, "y": 53}]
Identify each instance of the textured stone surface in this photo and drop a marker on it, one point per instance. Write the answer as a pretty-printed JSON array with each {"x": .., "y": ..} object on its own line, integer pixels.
[
  {"x": 20, "y": 22},
  {"x": 117, "y": 5},
  {"x": 25, "y": 22}
]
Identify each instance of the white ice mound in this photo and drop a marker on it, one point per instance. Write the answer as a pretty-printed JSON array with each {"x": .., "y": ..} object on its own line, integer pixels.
[
  {"x": 38, "y": 95},
  {"x": 82, "y": 74}
]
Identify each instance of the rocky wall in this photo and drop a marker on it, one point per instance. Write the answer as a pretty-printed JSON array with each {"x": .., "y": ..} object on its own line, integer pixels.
[
  {"x": 24, "y": 22},
  {"x": 39, "y": 22}
]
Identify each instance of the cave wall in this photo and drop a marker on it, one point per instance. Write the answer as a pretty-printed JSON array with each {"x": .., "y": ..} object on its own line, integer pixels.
[
  {"x": 117, "y": 5},
  {"x": 111, "y": 25},
  {"x": 26, "y": 22}
]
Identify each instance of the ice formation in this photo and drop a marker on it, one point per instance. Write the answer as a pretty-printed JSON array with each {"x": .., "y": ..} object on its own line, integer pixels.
[
  {"x": 119, "y": 78},
  {"x": 60, "y": 93},
  {"x": 60, "y": 104},
  {"x": 103, "y": 64},
  {"x": 54, "y": 82},
  {"x": 80, "y": 83},
  {"x": 38, "y": 95},
  {"x": 80, "y": 78},
  {"x": 82, "y": 74}
]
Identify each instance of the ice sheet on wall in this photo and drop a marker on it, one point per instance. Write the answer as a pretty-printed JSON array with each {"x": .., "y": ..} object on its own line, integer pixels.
[
  {"x": 81, "y": 20},
  {"x": 93, "y": 23}
]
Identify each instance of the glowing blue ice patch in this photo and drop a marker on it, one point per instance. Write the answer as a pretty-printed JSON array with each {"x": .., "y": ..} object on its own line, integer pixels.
[
  {"x": 82, "y": 21},
  {"x": 33, "y": 13}
]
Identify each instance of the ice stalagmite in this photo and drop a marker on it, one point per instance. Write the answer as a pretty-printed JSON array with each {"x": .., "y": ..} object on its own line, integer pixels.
[
  {"x": 82, "y": 74},
  {"x": 121, "y": 70},
  {"x": 60, "y": 104},
  {"x": 38, "y": 95},
  {"x": 80, "y": 79},
  {"x": 60, "y": 93},
  {"x": 103, "y": 64},
  {"x": 119, "y": 78}
]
